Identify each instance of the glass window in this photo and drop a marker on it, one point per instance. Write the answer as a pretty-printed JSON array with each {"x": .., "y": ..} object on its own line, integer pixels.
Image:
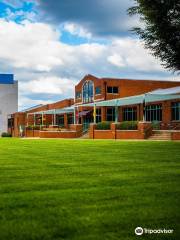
[
  {"x": 78, "y": 94},
  {"x": 98, "y": 90},
  {"x": 110, "y": 114},
  {"x": 10, "y": 122},
  {"x": 153, "y": 113},
  {"x": 130, "y": 114},
  {"x": 60, "y": 120},
  {"x": 112, "y": 89},
  {"x": 175, "y": 111},
  {"x": 88, "y": 92},
  {"x": 70, "y": 119},
  {"x": 98, "y": 115}
]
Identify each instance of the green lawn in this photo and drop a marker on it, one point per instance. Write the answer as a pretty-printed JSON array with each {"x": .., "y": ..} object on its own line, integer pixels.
[{"x": 82, "y": 189}]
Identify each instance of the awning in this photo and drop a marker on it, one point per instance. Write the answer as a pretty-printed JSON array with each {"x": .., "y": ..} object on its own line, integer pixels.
[
  {"x": 56, "y": 111},
  {"x": 138, "y": 99},
  {"x": 132, "y": 100},
  {"x": 83, "y": 113}
]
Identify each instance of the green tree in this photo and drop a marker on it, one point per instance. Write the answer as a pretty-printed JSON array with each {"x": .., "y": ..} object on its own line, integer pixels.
[{"x": 161, "y": 29}]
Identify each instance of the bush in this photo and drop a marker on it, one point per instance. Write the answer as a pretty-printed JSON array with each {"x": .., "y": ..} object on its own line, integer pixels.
[
  {"x": 32, "y": 127},
  {"x": 156, "y": 125},
  {"x": 127, "y": 125},
  {"x": 5, "y": 134},
  {"x": 103, "y": 125}
]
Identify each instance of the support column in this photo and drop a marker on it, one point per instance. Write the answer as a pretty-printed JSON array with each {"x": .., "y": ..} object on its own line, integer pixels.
[
  {"x": 42, "y": 121},
  {"x": 94, "y": 113},
  {"x": 74, "y": 115},
  {"x": 27, "y": 122},
  {"x": 166, "y": 114},
  {"x": 120, "y": 118},
  {"x": 34, "y": 119},
  {"x": 65, "y": 121},
  {"x": 54, "y": 117},
  {"x": 116, "y": 113},
  {"x": 103, "y": 114}
]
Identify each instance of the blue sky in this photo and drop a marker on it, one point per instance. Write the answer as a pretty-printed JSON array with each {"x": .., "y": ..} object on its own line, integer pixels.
[{"x": 50, "y": 45}]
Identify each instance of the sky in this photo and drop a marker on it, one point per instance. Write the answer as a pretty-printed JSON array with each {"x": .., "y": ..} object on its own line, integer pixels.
[{"x": 51, "y": 45}]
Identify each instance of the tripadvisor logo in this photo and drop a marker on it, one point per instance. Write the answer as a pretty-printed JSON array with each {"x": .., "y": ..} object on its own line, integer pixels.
[{"x": 139, "y": 231}]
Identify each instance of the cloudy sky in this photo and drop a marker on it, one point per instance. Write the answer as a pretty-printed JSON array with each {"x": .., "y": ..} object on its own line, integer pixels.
[{"x": 50, "y": 45}]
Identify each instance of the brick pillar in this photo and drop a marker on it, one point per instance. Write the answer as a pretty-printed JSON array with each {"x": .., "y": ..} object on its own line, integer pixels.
[
  {"x": 65, "y": 121},
  {"x": 113, "y": 129},
  {"x": 145, "y": 128},
  {"x": 140, "y": 112},
  {"x": 91, "y": 130},
  {"x": 120, "y": 118},
  {"x": 166, "y": 114},
  {"x": 77, "y": 128},
  {"x": 103, "y": 114}
]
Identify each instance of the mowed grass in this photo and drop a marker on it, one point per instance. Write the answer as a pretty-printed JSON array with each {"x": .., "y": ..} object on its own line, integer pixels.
[{"x": 88, "y": 190}]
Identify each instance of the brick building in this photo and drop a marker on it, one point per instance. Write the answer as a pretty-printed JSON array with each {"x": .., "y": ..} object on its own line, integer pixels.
[{"x": 109, "y": 99}]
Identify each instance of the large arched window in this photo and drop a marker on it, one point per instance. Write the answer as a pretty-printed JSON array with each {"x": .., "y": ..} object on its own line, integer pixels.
[{"x": 88, "y": 91}]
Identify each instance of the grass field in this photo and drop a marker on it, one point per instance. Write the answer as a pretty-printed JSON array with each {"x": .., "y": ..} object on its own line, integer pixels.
[{"x": 88, "y": 190}]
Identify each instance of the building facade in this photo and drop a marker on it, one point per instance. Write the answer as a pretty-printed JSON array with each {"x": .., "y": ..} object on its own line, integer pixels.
[
  {"x": 8, "y": 99},
  {"x": 108, "y": 99}
]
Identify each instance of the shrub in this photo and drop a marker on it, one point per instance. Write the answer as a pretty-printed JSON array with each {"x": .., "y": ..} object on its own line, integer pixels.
[
  {"x": 37, "y": 127},
  {"x": 103, "y": 125},
  {"x": 127, "y": 125},
  {"x": 5, "y": 134},
  {"x": 32, "y": 127},
  {"x": 156, "y": 125}
]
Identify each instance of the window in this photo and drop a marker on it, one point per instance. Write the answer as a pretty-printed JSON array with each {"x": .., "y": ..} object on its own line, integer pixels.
[
  {"x": 98, "y": 115},
  {"x": 112, "y": 89},
  {"x": 70, "y": 118},
  {"x": 98, "y": 90},
  {"x": 130, "y": 114},
  {"x": 10, "y": 122},
  {"x": 88, "y": 92},
  {"x": 78, "y": 95},
  {"x": 110, "y": 114},
  {"x": 60, "y": 120},
  {"x": 175, "y": 111},
  {"x": 153, "y": 113}
]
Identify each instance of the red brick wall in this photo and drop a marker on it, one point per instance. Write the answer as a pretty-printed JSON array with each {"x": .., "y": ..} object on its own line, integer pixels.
[
  {"x": 126, "y": 87},
  {"x": 56, "y": 134},
  {"x": 175, "y": 135}
]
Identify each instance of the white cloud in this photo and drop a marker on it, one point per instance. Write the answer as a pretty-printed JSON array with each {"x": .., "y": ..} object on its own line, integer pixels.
[
  {"x": 116, "y": 60},
  {"x": 48, "y": 85},
  {"x": 77, "y": 30},
  {"x": 26, "y": 102},
  {"x": 132, "y": 54},
  {"x": 31, "y": 45},
  {"x": 35, "y": 49}
]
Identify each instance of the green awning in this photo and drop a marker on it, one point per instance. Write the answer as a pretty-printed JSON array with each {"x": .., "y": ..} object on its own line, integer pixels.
[
  {"x": 56, "y": 111},
  {"x": 138, "y": 99}
]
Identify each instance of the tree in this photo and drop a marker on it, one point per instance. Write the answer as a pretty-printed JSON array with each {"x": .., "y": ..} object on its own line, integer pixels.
[{"x": 161, "y": 30}]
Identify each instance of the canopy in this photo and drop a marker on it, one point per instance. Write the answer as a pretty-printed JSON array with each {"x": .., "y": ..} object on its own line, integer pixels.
[
  {"x": 56, "y": 111},
  {"x": 138, "y": 99}
]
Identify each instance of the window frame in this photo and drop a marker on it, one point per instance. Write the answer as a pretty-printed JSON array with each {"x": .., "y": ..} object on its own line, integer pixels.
[
  {"x": 97, "y": 87},
  {"x": 153, "y": 111},
  {"x": 110, "y": 117},
  {"x": 88, "y": 91},
  {"x": 175, "y": 111},
  {"x": 129, "y": 113},
  {"x": 112, "y": 88}
]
